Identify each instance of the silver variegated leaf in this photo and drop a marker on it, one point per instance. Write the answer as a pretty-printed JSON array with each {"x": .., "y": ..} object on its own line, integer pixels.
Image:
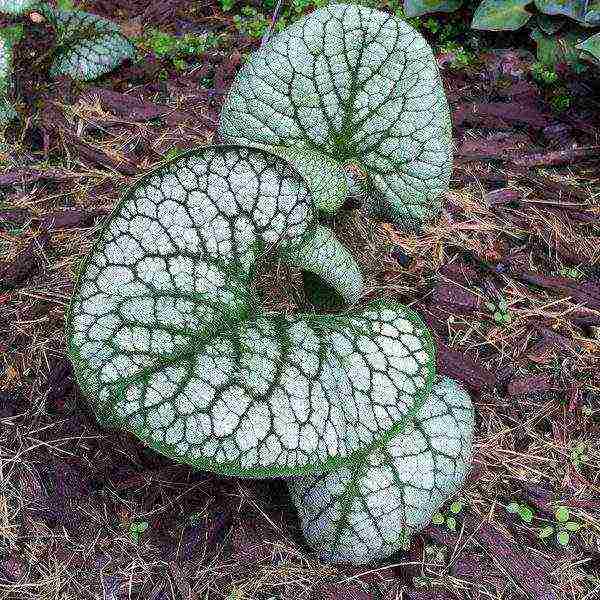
[
  {"x": 368, "y": 510},
  {"x": 361, "y": 87},
  {"x": 17, "y": 7},
  {"x": 88, "y": 46},
  {"x": 169, "y": 343}
]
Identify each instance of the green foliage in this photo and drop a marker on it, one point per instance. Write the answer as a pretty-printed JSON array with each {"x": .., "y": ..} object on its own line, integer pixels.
[
  {"x": 462, "y": 58},
  {"x": 173, "y": 153},
  {"x": 165, "y": 45},
  {"x": 449, "y": 520},
  {"x": 565, "y": 37},
  {"x": 561, "y": 101},
  {"x": 542, "y": 74},
  {"x": 498, "y": 16},
  {"x": 252, "y": 23}
]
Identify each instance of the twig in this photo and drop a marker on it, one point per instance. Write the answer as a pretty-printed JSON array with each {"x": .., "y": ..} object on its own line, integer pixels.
[{"x": 267, "y": 36}]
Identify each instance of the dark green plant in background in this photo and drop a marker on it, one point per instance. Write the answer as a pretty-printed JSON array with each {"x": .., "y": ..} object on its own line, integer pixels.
[{"x": 564, "y": 30}]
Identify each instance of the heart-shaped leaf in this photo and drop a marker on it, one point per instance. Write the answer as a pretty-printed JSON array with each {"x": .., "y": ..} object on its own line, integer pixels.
[
  {"x": 88, "y": 46},
  {"x": 366, "y": 511},
  {"x": 361, "y": 87},
  {"x": 169, "y": 343},
  {"x": 498, "y": 15},
  {"x": 416, "y": 8}
]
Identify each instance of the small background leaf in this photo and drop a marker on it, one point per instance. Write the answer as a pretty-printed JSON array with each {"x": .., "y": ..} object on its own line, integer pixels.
[
  {"x": 88, "y": 46},
  {"x": 416, "y": 8},
  {"x": 494, "y": 15},
  {"x": 583, "y": 12},
  {"x": 591, "y": 46}
]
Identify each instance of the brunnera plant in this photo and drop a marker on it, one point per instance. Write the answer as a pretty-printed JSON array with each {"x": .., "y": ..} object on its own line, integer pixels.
[
  {"x": 86, "y": 47},
  {"x": 169, "y": 342}
]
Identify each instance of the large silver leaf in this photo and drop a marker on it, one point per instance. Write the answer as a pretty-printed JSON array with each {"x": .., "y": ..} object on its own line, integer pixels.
[
  {"x": 368, "y": 510},
  {"x": 169, "y": 343},
  {"x": 362, "y": 87}
]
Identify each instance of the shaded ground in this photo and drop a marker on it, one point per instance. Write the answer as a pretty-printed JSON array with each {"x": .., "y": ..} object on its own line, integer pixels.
[{"x": 87, "y": 513}]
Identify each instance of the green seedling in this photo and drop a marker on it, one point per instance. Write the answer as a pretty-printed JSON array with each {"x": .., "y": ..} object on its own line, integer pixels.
[
  {"x": 572, "y": 272},
  {"x": 500, "y": 311},
  {"x": 578, "y": 455},
  {"x": 543, "y": 74},
  {"x": 136, "y": 529},
  {"x": 525, "y": 512},
  {"x": 450, "y": 520},
  {"x": 562, "y": 528}
]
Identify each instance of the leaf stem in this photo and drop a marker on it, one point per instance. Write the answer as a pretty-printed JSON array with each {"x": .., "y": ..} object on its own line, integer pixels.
[{"x": 267, "y": 36}]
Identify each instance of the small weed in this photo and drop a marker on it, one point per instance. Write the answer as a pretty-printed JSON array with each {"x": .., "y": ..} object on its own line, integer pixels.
[
  {"x": 450, "y": 521},
  {"x": 572, "y": 272},
  {"x": 173, "y": 153},
  {"x": 136, "y": 529},
  {"x": 562, "y": 528},
  {"x": 525, "y": 512},
  {"x": 227, "y": 5},
  {"x": 578, "y": 455},
  {"x": 251, "y": 23},
  {"x": 500, "y": 311},
  {"x": 462, "y": 57},
  {"x": 179, "y": 64},
  {"x": 560, "y": 100},
  {"x": 543, "y": 74},
  {"x": 167, "y": 46}
]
